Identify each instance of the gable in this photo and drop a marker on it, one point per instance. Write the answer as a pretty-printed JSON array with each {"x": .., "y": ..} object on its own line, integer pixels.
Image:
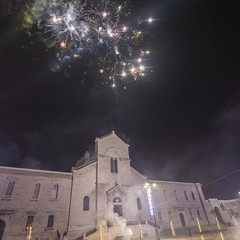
[{"x": 111, "y": 144}]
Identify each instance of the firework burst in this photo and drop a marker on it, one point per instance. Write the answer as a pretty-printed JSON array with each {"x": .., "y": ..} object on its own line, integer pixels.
[{"x": 79, "y": 27}]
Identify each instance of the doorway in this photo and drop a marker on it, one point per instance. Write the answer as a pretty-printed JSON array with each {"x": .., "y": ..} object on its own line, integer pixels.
[
  {"x": 118, "y": 209},
  {"x": 2, "y": 226}
]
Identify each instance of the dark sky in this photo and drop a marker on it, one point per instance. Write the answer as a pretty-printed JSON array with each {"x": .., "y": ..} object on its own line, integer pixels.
[{"x": 182, "y": 121}]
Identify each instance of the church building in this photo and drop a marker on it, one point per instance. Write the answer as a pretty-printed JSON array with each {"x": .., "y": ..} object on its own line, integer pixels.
[{"x": 102, "y": 198}]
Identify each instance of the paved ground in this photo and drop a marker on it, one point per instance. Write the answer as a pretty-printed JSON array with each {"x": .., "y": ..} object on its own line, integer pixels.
[{"x": 224, "y": 234}]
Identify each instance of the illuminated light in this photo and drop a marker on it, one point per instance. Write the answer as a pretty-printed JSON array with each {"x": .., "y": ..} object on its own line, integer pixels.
[
  {"x": 101, "y": 71},
  {"x": 150, "y": 20},
  {"x": 75, "y": 28},
  {"x": 104, "y": 14},
  {"x": 116, "y": 51},
  {"x": 132, "y": 70},
  {"x": 150, "y": 200},
  {"x": 154, "y": 184},
  {"x": 113, "y": 85},
  {"x": 124, "y": 29},
  {"x": 221, "y": 235},
  {"x": 199, "y": 226},
  {"x": 54, "y": 18},
  {"x": 123, "y": 74},
  {"x": 146, "y": 185},
  {"x": 72, "y": 28},
  {"x": 147, "y": 52},
  {"x": 139, "y": 60},
  {"x": 172, "y": 229},
  {"x": 63, "y": 44},
  {"x": 141, "y": 68}
]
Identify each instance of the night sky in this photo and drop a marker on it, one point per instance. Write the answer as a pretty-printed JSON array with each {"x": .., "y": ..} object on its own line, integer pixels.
[{"x": 182, "y": 120}]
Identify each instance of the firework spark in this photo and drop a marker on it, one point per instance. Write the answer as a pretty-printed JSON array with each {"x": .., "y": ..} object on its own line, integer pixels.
[{"x": 78, "y": 27}]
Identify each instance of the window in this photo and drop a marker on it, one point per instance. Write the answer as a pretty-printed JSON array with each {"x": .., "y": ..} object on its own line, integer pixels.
[
  {"x": 198, "y": 214},
  {"x": 159, "y": 216},
  {"x": 86, "y": 203},
  {"x": 175, "y": 194},
  {"x": 185, "y": 194},
  {"x": 139, "y": 204},
  {"x": 29, "y": 221},
  {"x": 50, "y": 221},
  {"x": 114, "y": 166},
  {"x": 165, "y": 194},
  {"x": 9, "y": 189},
  {"x": 193, "y": 195},
  {"x": 190, "y": 213},
  {"x": 36, "y": 191},
  {"x": 55, "y": 191},
  {"x": 170, "y": 215}
]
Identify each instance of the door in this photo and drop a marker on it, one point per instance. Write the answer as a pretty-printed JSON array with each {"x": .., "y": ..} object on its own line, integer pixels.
[{"x": 118, "y": 209}]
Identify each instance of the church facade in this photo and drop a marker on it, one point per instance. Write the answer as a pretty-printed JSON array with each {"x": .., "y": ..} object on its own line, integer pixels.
[{"x": 102, "y": 198}]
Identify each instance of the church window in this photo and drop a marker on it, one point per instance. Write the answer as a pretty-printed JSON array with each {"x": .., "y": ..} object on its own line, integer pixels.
[
  {"x": 55, "y": 191},
  {"x": 193, "y": 195},
  {"x": 9, "y": 189},
  {"x": 175, "y": 194},
  {"x": 86, "y": 203},
  {"x": 185, "y": 194},
  {"x": 114, "y": 166},
  {"x": 139, "y": 204},
  {"x": 50, "y": 221},
  {"x": 36, "y": 191},
  {"x": 117, "y": 200}
]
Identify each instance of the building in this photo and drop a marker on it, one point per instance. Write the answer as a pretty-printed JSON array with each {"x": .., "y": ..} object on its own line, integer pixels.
[{"x": 102, "y": 198}]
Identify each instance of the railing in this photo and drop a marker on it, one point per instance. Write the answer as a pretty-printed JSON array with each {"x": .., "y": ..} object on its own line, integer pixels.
[
  {"x": 142, "y": 222},
  {"x": 87, "y": 233},
  {"x": 154, "y": 225}
]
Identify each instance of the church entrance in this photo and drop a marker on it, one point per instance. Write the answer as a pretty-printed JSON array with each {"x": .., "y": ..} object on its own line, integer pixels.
[
  {"x": 2, "y": 226},
  {"x": 117, "y": 206},
  {"x": 118, "y": 209}
]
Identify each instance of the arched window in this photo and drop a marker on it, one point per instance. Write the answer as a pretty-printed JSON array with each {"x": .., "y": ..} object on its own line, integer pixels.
[
  {"x": 182, "y": 219},
  {"x": 9, "y": 189},
  {"x": 36, "y": 191},
  {"x": 86, "y": 203},
  {"x": 139, "y": 204},
  {"x": 114, "y": 165},
  {"x": 55, "y": 191}
]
